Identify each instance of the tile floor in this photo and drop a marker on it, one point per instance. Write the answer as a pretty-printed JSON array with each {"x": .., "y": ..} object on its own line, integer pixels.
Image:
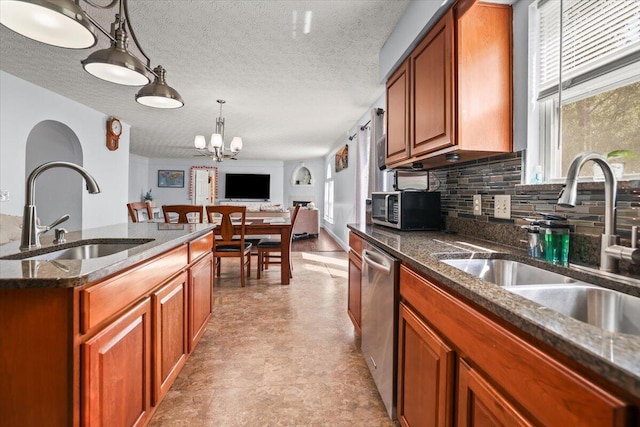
[{"x": 277, "y": 355}]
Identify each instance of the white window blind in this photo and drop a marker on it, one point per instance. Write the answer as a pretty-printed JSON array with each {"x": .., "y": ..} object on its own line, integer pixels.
[{"x": 596, "y": 35}]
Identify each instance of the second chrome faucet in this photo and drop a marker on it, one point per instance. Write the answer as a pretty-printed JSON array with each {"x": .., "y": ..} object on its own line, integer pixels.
[{"x": 610, "y": 251}]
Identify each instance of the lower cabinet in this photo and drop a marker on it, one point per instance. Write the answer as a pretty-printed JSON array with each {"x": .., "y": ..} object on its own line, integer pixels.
[
  {"x": 480, "y": 404},
  {"x": 425, "y": 374},
  {"x": 201, "y": 298},
  {"x": 169, "y": 333},
  {"x": 117, "y": 371},
  {"x": 355, "y": 289},
  {"x": 503, "y": 378}
]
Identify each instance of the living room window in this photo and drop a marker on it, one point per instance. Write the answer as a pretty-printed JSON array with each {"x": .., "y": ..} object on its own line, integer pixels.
[
  {"x": 328, "y": 195},
  {"x": 599, "y": 77}
]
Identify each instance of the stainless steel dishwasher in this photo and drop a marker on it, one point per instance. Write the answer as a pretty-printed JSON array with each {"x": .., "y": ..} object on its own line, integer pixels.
[{"x": 379, "y": 324}]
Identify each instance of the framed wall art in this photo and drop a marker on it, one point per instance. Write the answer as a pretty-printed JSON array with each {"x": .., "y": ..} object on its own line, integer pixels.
[
  {"x": 170, "y": 178},
  {"x": 342, "y": 158}
]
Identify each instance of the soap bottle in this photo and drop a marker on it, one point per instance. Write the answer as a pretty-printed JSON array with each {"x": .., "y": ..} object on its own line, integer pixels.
[{"x": 556, "y": 243}]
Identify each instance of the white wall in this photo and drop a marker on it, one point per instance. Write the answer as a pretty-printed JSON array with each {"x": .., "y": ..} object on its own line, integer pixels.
[
  {"x": 170, "y": 196},
  {"x": 316, "y": 191},
  {"x": 138, "y": 177},
  {"x": 345, "y": 183},
  {"x": 22, "y": 106}
]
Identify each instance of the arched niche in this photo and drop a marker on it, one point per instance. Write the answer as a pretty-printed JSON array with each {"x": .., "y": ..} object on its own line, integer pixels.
[
  {"x": 58, "y": 191},
  {"x": 301, "y": 176}
]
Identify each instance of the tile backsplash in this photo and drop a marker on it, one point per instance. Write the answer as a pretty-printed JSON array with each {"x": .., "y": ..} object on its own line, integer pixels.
[{"x": 502, "y": 175}]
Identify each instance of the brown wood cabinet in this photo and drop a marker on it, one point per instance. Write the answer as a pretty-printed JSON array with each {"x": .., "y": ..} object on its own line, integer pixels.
[
  {"x": 201, "y": 298},
  {"x": 453, "y": 93},
  {"x": 431, "y": 111},
  {"x": 398, "y": 97},
  {"x": 481, "y": 405},
  {"x": 425, "y": 374},
  {"x": 354, "y": 296},
  {"x": 104, "y": 353},
  {"x": 116, "y": 371},
  {"x": 506, "y": 378},
  {"x": 169, "y": 333}
]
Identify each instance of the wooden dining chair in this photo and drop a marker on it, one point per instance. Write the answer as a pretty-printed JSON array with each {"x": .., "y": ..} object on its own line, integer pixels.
[
  {"x": 228, "y": 242},
  {"x": 272, "y": 248},
  {"x": 183, "y": 212},
  {"x": 138, "y": 209}
]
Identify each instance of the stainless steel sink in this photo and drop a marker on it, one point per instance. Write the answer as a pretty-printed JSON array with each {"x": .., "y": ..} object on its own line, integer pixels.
[
  {"x": 504, "y": 272},
  {"x": 605, "y": 308},
  {"x": 82, "y": 250}
]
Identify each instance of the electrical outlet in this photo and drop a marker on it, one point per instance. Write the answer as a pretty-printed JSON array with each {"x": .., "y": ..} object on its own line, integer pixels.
[
  {"x": 4, "y": 195},
  {"x": 477, "y": 204},
  {"x": 503, "y": 207}
]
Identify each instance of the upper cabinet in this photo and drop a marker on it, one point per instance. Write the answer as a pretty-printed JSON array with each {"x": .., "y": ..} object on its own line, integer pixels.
[{"x": 453, "y": 94}]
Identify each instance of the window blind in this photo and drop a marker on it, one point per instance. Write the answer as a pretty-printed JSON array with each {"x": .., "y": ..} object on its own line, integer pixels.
[{"x": 598, "y": 36}]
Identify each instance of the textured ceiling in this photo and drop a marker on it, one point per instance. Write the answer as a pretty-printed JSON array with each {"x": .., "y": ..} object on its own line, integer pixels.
[{"x": 290, "y": 95}]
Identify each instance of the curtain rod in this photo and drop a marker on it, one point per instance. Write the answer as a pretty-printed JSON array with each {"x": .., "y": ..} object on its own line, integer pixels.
[{"x": 379, "y": 112}]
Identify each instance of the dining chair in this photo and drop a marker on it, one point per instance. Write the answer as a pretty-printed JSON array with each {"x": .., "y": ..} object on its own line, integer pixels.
[
  {"x": 228, "y": 242},
  {"x": 272, "y": 248},
  {"x": 183, "y": 212},
  {"x": 137, "y": 210}
]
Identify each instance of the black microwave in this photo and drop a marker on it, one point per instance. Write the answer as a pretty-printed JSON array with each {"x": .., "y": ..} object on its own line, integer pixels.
[{"x": 407, "y": 209}]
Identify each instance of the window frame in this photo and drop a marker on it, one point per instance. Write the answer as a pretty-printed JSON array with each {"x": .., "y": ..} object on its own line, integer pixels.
[{"x": 543, "y": 147}]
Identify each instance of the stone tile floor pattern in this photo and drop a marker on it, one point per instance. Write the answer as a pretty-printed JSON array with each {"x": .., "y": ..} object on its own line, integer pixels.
[{"x": 277, "y": 355}]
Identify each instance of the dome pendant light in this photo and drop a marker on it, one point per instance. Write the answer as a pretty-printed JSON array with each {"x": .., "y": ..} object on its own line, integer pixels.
[
  {"x": 59, "y": 23},
  {"x": 159, "y": 94},
  {"x": 116, "y": 64}
]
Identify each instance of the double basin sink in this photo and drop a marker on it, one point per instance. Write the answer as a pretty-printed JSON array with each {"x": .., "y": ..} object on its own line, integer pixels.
[{"x": 607, "y": 309}]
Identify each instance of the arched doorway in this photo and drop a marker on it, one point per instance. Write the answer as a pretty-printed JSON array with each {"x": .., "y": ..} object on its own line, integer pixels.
[{"x": 58, "y": 191}]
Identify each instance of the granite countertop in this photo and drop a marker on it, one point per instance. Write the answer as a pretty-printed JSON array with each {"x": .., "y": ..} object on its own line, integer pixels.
[
  {"x": 614, "y": 356},
  {"x": 70, "y": 273}
]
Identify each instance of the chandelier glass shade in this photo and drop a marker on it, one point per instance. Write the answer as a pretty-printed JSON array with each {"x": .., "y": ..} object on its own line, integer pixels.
[
  {"x": 216, "y": 145},
  {"x": 64, "y": 23}
]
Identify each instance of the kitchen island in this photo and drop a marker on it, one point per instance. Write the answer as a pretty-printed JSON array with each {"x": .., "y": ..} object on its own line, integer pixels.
[
  {"x": 494, "y": 350},
  {"x": 98, "y": 341}
]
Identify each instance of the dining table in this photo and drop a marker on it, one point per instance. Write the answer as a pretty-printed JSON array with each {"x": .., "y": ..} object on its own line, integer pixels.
[{"x": 271, "y": 226}]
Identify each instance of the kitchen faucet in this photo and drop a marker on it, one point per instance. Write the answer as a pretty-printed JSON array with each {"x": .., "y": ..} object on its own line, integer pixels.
[
  {"x": 31, "y": 231},
  {"x": 610, "y": 250}
]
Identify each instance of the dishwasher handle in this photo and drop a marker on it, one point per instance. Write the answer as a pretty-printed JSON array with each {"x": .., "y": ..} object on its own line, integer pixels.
[{"x": 377, "y": 261}]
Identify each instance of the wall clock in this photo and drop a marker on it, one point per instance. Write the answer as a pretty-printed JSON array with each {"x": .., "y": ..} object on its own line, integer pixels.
[{"x": 114, "y": 130}]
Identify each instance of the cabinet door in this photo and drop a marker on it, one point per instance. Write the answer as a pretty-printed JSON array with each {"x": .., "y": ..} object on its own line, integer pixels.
[
  {"x": 480, "y": 405},
  {"x": 484, "y": 97},
  {"x": 169, "y": 333},
  {"x": 200, "y": 298},
  {"x": 432, "y": 89},
  {"x": 398, "y": 115},
  {"x": 116, "y": 371},
  {"x": 425, "y": 374},
  {"x": 355, "y": 289}
]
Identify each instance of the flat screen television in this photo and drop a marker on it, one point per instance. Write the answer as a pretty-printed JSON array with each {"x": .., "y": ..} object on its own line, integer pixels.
[{"x": 247, "y": 186}]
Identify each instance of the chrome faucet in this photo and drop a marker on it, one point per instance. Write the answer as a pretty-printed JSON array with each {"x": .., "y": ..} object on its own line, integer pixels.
[
  {"x": 610, "y": 250},
  {"x": 31, "y": 231}
]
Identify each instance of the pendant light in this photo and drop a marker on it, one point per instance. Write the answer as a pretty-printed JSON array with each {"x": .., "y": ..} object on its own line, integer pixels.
[
  {"x": 216, "y": 145},
  {"x": 63, "y": 23},
  {"x": 55, "y": 22},
  {"x": 116, "y": 64},
  {"x": 159, "y": 94}
]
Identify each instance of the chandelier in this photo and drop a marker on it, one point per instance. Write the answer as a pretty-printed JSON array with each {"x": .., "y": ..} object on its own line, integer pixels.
[
  {"x": 64, "y": 23},
  {"x": 216, "y": 146}
]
